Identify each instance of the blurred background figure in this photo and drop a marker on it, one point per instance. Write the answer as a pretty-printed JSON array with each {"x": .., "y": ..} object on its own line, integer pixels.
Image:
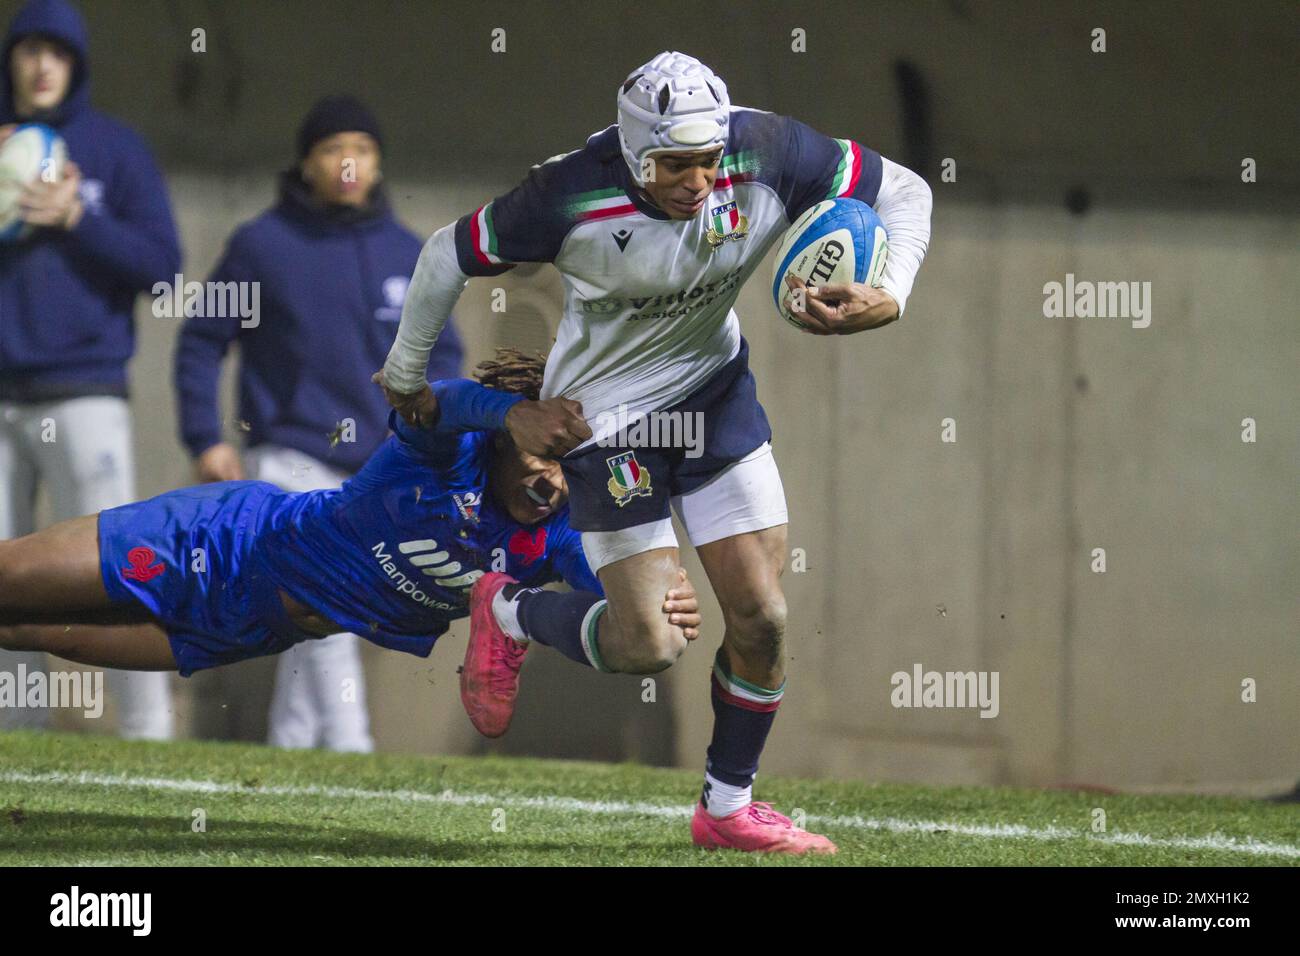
[
  {"x": 103, "y": 234},
  {"x": 332, "y": 264}
]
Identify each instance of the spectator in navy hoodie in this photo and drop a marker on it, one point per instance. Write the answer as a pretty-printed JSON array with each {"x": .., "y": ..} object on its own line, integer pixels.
[
  {"x": 332, "y": 263},
  {"x": 101, "y": 235}
]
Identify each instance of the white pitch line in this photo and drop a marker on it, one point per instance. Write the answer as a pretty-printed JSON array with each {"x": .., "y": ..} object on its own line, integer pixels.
[{"x": 630, "y": 808}]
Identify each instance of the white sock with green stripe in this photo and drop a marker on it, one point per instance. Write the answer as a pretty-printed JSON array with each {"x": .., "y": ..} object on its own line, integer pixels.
[
  {"x": 568, "y": 622},
  {"x": 590, "y": 633}
]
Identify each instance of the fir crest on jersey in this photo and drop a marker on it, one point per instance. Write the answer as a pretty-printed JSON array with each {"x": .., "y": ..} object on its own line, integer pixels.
[{"x": 728, "y": 224}]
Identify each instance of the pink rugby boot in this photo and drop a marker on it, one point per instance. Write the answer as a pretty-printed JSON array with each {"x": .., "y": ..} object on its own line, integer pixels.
[
  {"x": 756, "y": 828},
  {"x": 489, "y": 678}
]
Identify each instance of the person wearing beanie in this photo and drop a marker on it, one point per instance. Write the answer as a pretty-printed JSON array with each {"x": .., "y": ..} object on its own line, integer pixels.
[
  {"x": 336, "y": 114},
  {"x": 96, "y": 238},
  {"x": 331, "y": 263}
]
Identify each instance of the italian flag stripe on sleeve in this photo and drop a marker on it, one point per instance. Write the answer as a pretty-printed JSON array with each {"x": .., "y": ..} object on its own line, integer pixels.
[
  {"x": 740, "y": 168},
  {"x": 848, "y": 171},
  {"x": 483, "y": 238},
  {"x": 599, "y": 204}
]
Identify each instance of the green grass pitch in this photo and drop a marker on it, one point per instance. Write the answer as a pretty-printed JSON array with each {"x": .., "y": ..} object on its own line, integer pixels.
[{"x": 70, "y": 799}]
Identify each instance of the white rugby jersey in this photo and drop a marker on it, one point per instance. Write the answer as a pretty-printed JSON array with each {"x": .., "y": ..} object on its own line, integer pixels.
[{"x": 648, "y": 299}]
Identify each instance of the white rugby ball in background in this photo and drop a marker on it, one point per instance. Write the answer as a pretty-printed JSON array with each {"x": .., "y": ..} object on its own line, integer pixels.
[
  {"x": 33, "y": 152},
  {"x": 836, "y": 241}
]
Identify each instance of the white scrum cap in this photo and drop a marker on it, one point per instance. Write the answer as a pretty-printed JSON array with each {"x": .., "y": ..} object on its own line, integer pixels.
[{"x": 672, "y": 104}]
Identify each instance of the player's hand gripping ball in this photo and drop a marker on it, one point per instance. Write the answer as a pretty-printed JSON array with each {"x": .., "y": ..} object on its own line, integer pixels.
[{"x": 836, "y": 242}]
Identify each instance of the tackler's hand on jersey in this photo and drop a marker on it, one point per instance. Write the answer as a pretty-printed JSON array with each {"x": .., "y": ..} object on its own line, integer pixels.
[
  {"x": 844, "y": 309},
  {"x": 549, "y": 428}
]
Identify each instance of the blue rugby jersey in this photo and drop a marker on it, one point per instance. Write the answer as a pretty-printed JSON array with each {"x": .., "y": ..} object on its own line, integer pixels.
[{"x": 393, "y": 553}]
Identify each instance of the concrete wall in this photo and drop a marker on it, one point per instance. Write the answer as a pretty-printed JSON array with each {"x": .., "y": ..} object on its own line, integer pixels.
[
  {"x": 1016, "y": 94},
  {"x": 1072, "y": 434}
]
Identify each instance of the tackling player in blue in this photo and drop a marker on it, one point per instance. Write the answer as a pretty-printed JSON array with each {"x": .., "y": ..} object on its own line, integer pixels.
[{"x": 205, "y": 576}]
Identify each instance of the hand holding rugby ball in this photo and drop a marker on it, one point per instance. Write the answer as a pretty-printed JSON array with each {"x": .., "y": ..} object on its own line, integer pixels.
[
  {"x": 833, "y": 246},
  {"x": 33, "y": 152}
]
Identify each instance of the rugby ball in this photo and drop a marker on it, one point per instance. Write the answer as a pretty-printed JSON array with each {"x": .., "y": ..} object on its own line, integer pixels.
[
  {"x": 33, "y": 152},
  {"x": 836, "y": 241}
]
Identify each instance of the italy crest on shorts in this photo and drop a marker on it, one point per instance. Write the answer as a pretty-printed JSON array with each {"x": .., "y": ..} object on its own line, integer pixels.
[
  {"x": 728, "y": 224},
  {"x": 629, "y": 479}
]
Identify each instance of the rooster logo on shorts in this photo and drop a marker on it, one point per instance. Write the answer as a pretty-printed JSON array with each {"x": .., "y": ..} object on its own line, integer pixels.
[
  {"x": 142, "y": 566},
  {"x": 630, "y": 479}
]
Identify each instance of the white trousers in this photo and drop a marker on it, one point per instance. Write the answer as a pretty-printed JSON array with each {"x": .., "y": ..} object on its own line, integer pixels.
[
  {"x": 320, "y": 690},
  {"x": 79, "y": 449}
]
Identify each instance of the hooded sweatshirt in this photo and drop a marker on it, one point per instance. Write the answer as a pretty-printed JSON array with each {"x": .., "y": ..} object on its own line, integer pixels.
[
  {"x": 331, "y": 283},
  {"x": 66, "y": 297}
]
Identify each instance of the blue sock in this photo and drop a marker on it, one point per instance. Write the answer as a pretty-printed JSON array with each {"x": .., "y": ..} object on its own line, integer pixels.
[
  {"x": 567, "y": 621},
  {"x": 742, "y": 716}
]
